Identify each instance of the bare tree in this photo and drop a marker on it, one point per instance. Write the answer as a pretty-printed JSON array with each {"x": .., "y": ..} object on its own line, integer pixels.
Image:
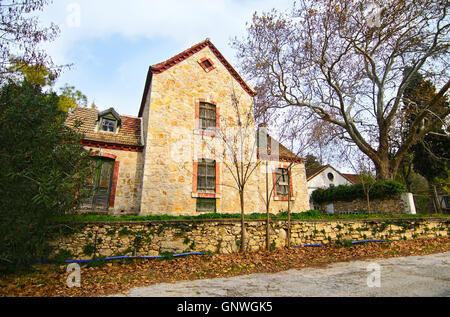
[
  {"x": 296, "y": 133},
  {"x": 344, "y": 64},
  {"x": 268, "y": 150},
  {"x": 20, "y": 35},
  {"x": 238, "y": 154}
]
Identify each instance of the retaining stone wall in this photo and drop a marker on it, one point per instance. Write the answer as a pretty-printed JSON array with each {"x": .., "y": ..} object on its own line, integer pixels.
[
  {"x": 223, "y": 236},
  {"x": 390, "y": 205}
]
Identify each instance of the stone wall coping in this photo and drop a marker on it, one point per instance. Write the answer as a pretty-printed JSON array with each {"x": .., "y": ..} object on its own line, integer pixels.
[{"x": 144, "y": 222}]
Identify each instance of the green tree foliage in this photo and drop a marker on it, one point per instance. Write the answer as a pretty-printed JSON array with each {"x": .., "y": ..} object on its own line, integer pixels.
[
  {"x": 430, "y": 157},
  {"x": 406, "y": 175},
  {"x": 36, "y": 73},
  {"x": 71, "y": 98},
  {"x": 312, "y": 162},
  {"x": 43, "y": 168},
  {"x": 379, "y": 189}
]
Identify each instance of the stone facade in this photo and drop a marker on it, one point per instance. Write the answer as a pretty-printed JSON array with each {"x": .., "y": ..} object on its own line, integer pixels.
[
  {"x": 175, "y": 144},
  {"x": 157, "y": 174},
  {"x": 128, "y": 184},
  {"x": 223, "y": 236}
]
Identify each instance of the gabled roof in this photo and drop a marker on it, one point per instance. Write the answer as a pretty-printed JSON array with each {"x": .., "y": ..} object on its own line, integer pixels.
[
  {"x": 354, "y": 178},
  {"x": 128, "y": 134},
  {"x": 161, "y": 67},
  {"x": 284, "y": 154},
  {"x": 112, "y": 112},
  {"x": 313, "y": 172}
]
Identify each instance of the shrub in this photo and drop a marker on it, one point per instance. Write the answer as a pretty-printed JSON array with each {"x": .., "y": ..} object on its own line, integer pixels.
[
  {"x": 43, "y": 167},
  {"x": 88, "y": 249},
  {"x": 379, "y": 190}
]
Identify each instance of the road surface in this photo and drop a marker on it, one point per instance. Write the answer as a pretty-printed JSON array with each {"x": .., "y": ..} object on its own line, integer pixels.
[{"x": 406, "y": 276}]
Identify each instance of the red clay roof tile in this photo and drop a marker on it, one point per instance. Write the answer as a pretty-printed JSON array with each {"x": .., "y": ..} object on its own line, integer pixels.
[{"x": 128, "y": 134}]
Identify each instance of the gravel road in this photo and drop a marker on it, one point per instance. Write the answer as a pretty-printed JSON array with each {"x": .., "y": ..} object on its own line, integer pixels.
[{"x": 406, "y": 276}]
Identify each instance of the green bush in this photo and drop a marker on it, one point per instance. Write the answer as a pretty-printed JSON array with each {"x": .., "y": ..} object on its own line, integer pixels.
[
  {"x": 88, "y": 249},
  {"x": 378, "y": 190},
  {"x": 43, "y": 167}
]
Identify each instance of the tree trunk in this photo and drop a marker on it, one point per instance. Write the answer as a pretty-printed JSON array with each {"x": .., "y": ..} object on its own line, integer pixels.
[
  {"x": 382, "y": 170},
  {"x": 288, "y": 233},
  {"x": 366, "y": 192},
  {"x": 386, "y": 168},
  {"x": 436, "y": 200},
  {"x": 368, "y": 203},
  {"x": 243, "y": 238},
  {"x": 267, "y": 211}
]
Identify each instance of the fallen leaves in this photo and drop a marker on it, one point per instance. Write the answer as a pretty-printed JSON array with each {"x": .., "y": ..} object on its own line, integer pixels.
[{"x": 117, "y": 277}]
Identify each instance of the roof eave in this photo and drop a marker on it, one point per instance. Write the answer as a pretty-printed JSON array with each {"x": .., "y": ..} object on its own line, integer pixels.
[{"x": 147, "y": 86}]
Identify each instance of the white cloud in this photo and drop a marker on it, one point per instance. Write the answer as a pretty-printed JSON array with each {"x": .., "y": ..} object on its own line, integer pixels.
[{"x": 181, "y": 23}]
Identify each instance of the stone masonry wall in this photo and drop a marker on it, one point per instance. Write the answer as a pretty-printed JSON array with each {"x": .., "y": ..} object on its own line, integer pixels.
[
  {"x": 223, "y": 236},
  {"x": 129, "y": 180},
  {"x": 174, "y": 143},
  {"x": 391, "y": 205}
]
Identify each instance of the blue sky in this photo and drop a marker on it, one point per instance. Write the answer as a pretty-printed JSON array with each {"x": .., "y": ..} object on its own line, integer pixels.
[{"x": 112, "y": 43}]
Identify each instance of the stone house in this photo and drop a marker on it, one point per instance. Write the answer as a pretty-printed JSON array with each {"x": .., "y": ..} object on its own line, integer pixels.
[{"x": 168, "y": 159}]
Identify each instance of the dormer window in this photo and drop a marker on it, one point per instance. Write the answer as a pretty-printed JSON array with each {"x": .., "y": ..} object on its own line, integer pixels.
[
  {"x": 108, "y": 125},
  {"x": 108, "y": 121}
]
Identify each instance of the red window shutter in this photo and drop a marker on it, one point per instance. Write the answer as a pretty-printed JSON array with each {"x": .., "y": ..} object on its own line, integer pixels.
[{"x": 217, "y": 178}]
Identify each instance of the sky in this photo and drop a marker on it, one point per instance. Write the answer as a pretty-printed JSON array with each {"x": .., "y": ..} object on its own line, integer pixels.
[{"x": 111, "y": 44}]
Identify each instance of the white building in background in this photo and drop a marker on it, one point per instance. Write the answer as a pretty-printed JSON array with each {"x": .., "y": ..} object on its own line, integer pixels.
[{"x": 324, "y": 177}]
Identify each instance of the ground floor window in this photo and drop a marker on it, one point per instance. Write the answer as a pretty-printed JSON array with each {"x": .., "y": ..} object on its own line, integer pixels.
[
  {"x": 282, "y": 182},
  {"x": 206, "y": 177},
  {"x": 206, "y": 204}
]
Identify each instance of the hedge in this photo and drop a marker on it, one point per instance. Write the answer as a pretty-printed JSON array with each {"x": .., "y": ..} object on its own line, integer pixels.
[{"x": 378, "y": 190}]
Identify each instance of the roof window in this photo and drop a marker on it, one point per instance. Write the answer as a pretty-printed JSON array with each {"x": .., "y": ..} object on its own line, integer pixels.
[{"x": 109, "y": 121}]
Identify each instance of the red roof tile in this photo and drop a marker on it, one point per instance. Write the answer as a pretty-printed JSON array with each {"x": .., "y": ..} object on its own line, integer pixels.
[
  {"x": 354, "y": 178},
  {"x": 128, "y": 134}
]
